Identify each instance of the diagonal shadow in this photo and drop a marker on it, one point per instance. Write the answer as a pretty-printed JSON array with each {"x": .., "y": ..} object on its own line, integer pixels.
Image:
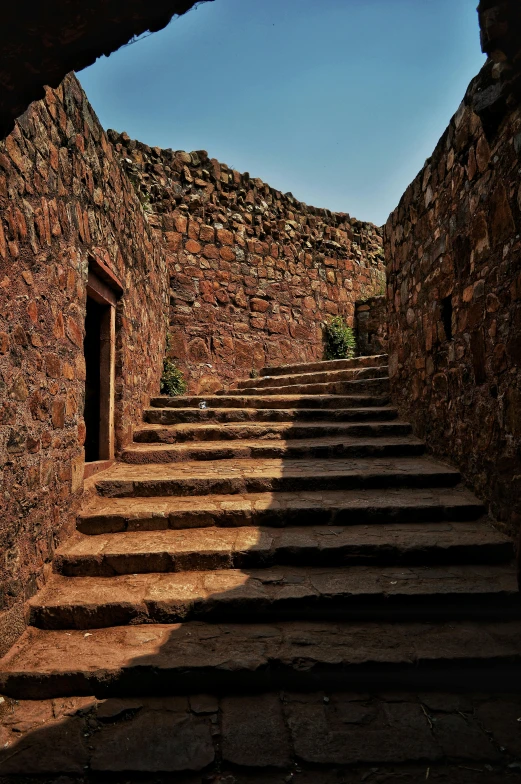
[{"x": 264, "y": 625}]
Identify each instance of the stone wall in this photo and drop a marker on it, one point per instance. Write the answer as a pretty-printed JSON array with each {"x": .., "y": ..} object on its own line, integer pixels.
[
  {"x": 371, "y": 326},
  {"x": 454, "y": 288},
  {"x": 63, "y": 198},
  {"x": 254, "y": 273}
]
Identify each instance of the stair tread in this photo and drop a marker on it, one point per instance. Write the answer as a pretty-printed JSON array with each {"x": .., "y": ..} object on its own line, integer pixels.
[
  {"x": 331, "y": 374},
  {"x": 149, "y": 593},
  {"x": 169, "y": 414},
  {"x": 326, "y": 363},
  {"x": 276, "y": 426},
  {"x": 302, "y": 443},
  {"x": 318, "y": 387},
  {"x": 402, "y": 536},
  {"x": 269, "y": 467},
  {"x": 355, "y": 499},
  {"x": 107, "y": 652},
  {"x": 282, "y": 400}
]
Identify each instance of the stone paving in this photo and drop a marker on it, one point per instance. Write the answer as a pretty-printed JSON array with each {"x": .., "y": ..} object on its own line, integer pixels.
[{"x": 288, "y": 735}]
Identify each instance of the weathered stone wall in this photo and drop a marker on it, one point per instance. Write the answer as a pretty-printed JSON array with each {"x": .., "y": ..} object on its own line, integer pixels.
[
  {"x": 63, "y": 197},
  {"x": 453, "y": 248},
  {"x": 253, "y": 273},
  {"x": 371, "y": 326}
]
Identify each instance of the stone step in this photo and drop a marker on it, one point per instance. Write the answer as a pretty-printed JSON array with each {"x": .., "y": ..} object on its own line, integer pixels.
[
  {"x": 269, "y": 401},
  {"x": 193, "y": 657},
  {"x": 330, "y": 447},
  {"x": 384, "y": 593},
  {"x": 315, "y": 377},
  {"x": 267, "y": 431},
  {"x": 328, "y": 364},
  {"x": 221, "y": 477},
  {"x": 340, "y": 507},
  {"x": 174, "y": 416},
  {"x": 203, "y": 549},
  {"x": 374, "y": 386}
]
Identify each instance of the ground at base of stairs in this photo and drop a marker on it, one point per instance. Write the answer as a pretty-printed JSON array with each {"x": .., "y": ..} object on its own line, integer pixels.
[
  {"x": 302, "y": 774},
  {"x": 317, "y": 738}
]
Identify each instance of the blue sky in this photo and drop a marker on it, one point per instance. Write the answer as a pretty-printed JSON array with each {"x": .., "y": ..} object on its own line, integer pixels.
[{"x": 338, "y": 101}]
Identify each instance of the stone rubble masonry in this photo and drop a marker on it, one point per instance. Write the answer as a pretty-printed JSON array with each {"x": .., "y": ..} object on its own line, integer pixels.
[
  {"x": 453, "y": 249},
  {"x": 254, "y": 273},
  {"x": 371, "y": 326},
  {"x": 63, "y": 198}
]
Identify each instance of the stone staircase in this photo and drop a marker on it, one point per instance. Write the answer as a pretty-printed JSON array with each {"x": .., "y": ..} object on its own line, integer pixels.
[{"x": 288, "y": 537}]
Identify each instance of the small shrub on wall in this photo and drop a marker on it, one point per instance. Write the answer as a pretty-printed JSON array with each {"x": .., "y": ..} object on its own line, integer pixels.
[
  {"x": 339, "y": 339},
  {"x": 172, "y": 380},
  {"x": 173, "y": 383}
]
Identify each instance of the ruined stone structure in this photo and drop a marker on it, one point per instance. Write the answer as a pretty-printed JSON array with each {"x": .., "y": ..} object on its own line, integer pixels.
[
  {"x": 453, "y": 250},
  {"x": 66, "y": 206},
  {"x": 254, "y": 273},
  {"x": 292, "y": 537},
  {"x": 77, "y": 228}
]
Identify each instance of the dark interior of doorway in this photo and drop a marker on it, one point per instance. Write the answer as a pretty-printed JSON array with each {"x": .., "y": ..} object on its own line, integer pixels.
[{"x": 92, "y": 350}]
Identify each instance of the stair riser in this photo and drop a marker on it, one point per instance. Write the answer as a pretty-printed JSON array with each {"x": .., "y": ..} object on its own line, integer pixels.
[
  {"x": 377, "y": 386},
  {"x": 369, "y": 555},
  {"x": 272, "y": 451},
  {"x": 421, "y": 608},
  {"x": 279, "y": 401},
  {"x": 280, "y": 518},
  {"x": 337, "y": 364},
  {"x": 269, "y": 432},
  {"x": 444, "y": 675},
  {"x": 235, "y": 485},
  {"x": 172, "y": 416},
  {"x": 315, "y": 378}
]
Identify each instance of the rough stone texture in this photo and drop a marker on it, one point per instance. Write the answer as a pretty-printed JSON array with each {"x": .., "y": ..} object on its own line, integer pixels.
[
  {"x": 371, "y": 326},
  {"x": 63, "y": 36},
  {"x": 316, "y": 738},
  {"x": 453, "y": 251},
  {"x": 417, "y": 593},
  {"x": 254, "y": 273},
  {"x": 500, "y": 22},
  {"x": 230, "y": 658},
  {"x": 237, "y": 611},
  {"x": 63, "y": 200}
]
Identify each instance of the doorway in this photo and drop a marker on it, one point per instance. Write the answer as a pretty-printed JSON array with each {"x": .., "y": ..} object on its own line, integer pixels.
[{"x": 99, "y": 351}]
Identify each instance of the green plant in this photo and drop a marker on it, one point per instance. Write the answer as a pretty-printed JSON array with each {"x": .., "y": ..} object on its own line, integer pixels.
[
  {"x": 339, "y": 339},
  {"x": 172, "y": 379},
  {"x": 173, "y": 383}
]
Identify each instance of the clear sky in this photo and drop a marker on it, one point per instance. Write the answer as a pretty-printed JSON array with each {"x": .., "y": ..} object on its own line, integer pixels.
[{"x": 338, "y": 101}]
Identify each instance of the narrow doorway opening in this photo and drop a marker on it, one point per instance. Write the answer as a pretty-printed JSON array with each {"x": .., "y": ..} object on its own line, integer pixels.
[
  {"x": 92, "y": 350},
  {"x": 99, "y": 350}
]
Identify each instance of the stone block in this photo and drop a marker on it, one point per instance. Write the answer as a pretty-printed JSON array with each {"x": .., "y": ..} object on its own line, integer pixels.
[{"x": 253, "y": 732}]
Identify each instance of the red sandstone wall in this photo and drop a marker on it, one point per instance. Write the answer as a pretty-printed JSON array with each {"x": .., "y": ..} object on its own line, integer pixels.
[
  {"x": 62, "y": 196},
  {"x": 253, "y": 273},
  {"x": 455, "y": 243}
]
